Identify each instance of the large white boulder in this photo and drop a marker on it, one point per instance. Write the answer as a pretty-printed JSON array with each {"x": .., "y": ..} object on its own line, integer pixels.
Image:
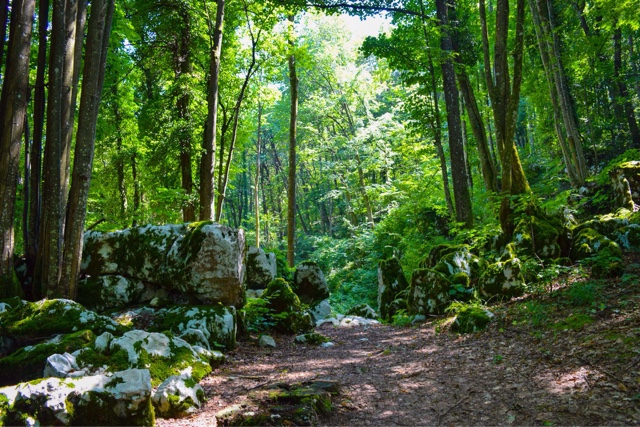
[{"x": 261, "y": 268}]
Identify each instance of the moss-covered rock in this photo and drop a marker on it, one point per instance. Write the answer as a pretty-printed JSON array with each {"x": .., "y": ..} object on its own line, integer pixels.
[
  {"x": 391, "y": 283},
  {"x": 261, "y": 268},
  {"x": 628, "y": 237},
  {"x": 287, "y": 313},
  {"x": 33, "y": 322},
  {"x": 309, "y": 283},
  {"x": 429, "y": 293},
  {"x": 282, "y": 405},
  {"x": 161, "y": 354},
  {"x": 111, "y": 291},
  {"x": 204, "y": 261},
  {"x": 362, "y": 310},
  {"x": 588, "y": 242},
  {"x": 312, "y": 338},
  {"x": 178, "y": 396},
  {"x": 625, "y": 179},
  {"x": 28, "y": 363},
  {"x": 217, "y": 323},
  {"x": 121, "y": 399},
  {"x": 471, "y": 319},
  {"x": 502, "y": 280},
  {"x": 457, "y": 259},
  {"x": 538, "y": 236}
]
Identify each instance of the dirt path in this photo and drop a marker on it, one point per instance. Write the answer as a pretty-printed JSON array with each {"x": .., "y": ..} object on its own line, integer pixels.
[{"x": 416, "y": 376}]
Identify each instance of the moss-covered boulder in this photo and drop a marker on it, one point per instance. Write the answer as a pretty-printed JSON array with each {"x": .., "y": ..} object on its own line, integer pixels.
[
  {"x": 625, "y": 179},
  {"x": 216, "y": 323},
  {"x": 261, "y": 268},
  {"x": 282, "y": 405},
  {"x": 460, "y": 266},
  {"x": 286, "y": 311},
  {"x": 33, "y": 322},
  {"x": 471, "y": 319},
  {"x": 429, "y": 292},
  {"x": 124, "y": 398},
  {"x": 309, "y": 283},
  {"x": 502, "y": 279},
  {"x": 588, "y": 242},
  {"x": 539, "y": 237},
  {"x": 391, "y": 284},
  {"x": 312, "y": 338},
  {"x": 628, "y": 237},
  {"x": 110, "y": 291},
  {"x": 28, "y": 363},
  {"x": 161, "y": 354},
  {"x": 362, "y": 310},
  {"x": 203, "y": 261},
  {"x": 178, "y": 396}
]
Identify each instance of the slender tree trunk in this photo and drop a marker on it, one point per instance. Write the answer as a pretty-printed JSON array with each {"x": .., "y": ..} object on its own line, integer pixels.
[
  {"x": 623, "y": 93},
  {"x": 461, "y": 195},
  {"x": 13, "y": 104},
  {"x": 256, "y": 187},
  {"x": 207, "y": 196},
  {"x": 120, "y": 158},
  {"x": 137, "y": 196},
  {"x": 4, "y": 15},
  {"x": 35, "y": 195},
  {"x": 505, "y": 98},
  {"x": 93, "y": 79},
  {"x": 291, "y": 190},
  {"x": 183, "y": 68},
  {"x": 49, "y": 257}
]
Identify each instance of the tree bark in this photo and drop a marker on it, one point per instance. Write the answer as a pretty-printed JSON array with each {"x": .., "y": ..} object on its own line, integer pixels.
[
  {"x": 459, "y": 176},
  {"x": 504, "y": 93},
  {"x": 623, "y": 93},
  {"x": 291, "y": 190},
  {"x": 207, "y": 196},
  {"x": 93, "y": 79},
  {"x": 256, "y": 187},
  {"x": 13, "y": 104}
]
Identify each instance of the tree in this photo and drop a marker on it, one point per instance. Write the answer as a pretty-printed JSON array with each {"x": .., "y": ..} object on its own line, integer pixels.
[
  {"x": 291, "y": 189},
  {"x": 13, "y": 106}
]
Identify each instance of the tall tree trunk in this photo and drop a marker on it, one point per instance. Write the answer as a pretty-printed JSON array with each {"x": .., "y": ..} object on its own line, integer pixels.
[
  {"x": 291, "y": 190},
  {"x": 137, "y": 196},
  {"x": 92, "y": 82},
  {"x": 183, "y": 69},
  {"x": 623, "y": 93},
  {"x": 256, "y": 187},
  {"x": 461, "y": 195},
  {"x": 207, "y": 196},
  {"x": 13, "y": 104},
  {"x": 35, "y": 195},
  {"x": 120, "y": 156},
  {"x": 49, "y": 257},
  {"x": 505, "y": 98},
  {"x": 4, "y": 15}
]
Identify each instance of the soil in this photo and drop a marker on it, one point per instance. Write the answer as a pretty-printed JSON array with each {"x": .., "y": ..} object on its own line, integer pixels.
[{"x": 551, "y": 371}]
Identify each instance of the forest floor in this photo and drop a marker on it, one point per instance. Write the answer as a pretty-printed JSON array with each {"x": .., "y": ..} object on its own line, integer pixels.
[{"x": 569, "y": 355}]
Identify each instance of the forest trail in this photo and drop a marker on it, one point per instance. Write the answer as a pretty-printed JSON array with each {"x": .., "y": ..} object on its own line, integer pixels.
[{"x": 506, "y": 375}]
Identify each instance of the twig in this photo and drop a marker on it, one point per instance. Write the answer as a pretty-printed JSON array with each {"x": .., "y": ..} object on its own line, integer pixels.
[
  {"x": 95, "y": 224},
  {"x": 440, "y": 416}
]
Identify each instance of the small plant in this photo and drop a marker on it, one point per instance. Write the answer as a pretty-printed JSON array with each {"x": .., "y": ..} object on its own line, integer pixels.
[
  {"x": 497, "y": 359},
  {"x": 402, "y": 318},
  {"x": 258, "y": 316}
]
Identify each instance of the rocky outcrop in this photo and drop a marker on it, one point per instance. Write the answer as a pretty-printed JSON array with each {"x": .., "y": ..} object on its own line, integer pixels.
[
  {"x": 362, "y": 310},
  {"x": 309, "y": 283},
  {"x": 502, "y": 279},
  {"x": 625, "y": 179},
  {"x": 391, "y": 283},
  {"x": 178, "y": 396},
  {"x": 201, "y": 262},
  {"x": 123, "y": 398},
  {"x": 261, "y": 268},
  {"x": 286, "y": 311},
  {"x": 429, "y": 292},
  {"x": 471, "y": 319}
]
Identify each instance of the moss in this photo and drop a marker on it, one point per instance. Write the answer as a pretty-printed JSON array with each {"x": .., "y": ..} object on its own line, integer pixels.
[
  {"x": 99, "y": 408},
  {"x": 312, "y": 338},
  {"x": 429, "y": 292},
  {"x": 439, "y": 251},
  {"x": 28, "y": 363},
  {"x": 471, "y": 319},
  {"x": 41, "y": 319},
  {"x": 536, "y": 236},
  {"x": 280, "y": 297},
  {"x": 391, "y": 283},
  {"x": 502, "y": 280},
  {"x": 574, "y": 322},
  {"x": 587, "y": 242}
]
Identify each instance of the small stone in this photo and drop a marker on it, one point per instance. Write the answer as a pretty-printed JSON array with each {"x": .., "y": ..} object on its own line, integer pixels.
[
  {"x": 327, "y": 344},
  {"x": 266, "y": 341},
  {"x": 60, "y": 365}
]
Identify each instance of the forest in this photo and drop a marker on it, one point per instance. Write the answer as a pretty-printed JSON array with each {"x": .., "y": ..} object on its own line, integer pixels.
[
  {"x": 325, "y": 147},
  {"x": 480, "y": 150}
]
